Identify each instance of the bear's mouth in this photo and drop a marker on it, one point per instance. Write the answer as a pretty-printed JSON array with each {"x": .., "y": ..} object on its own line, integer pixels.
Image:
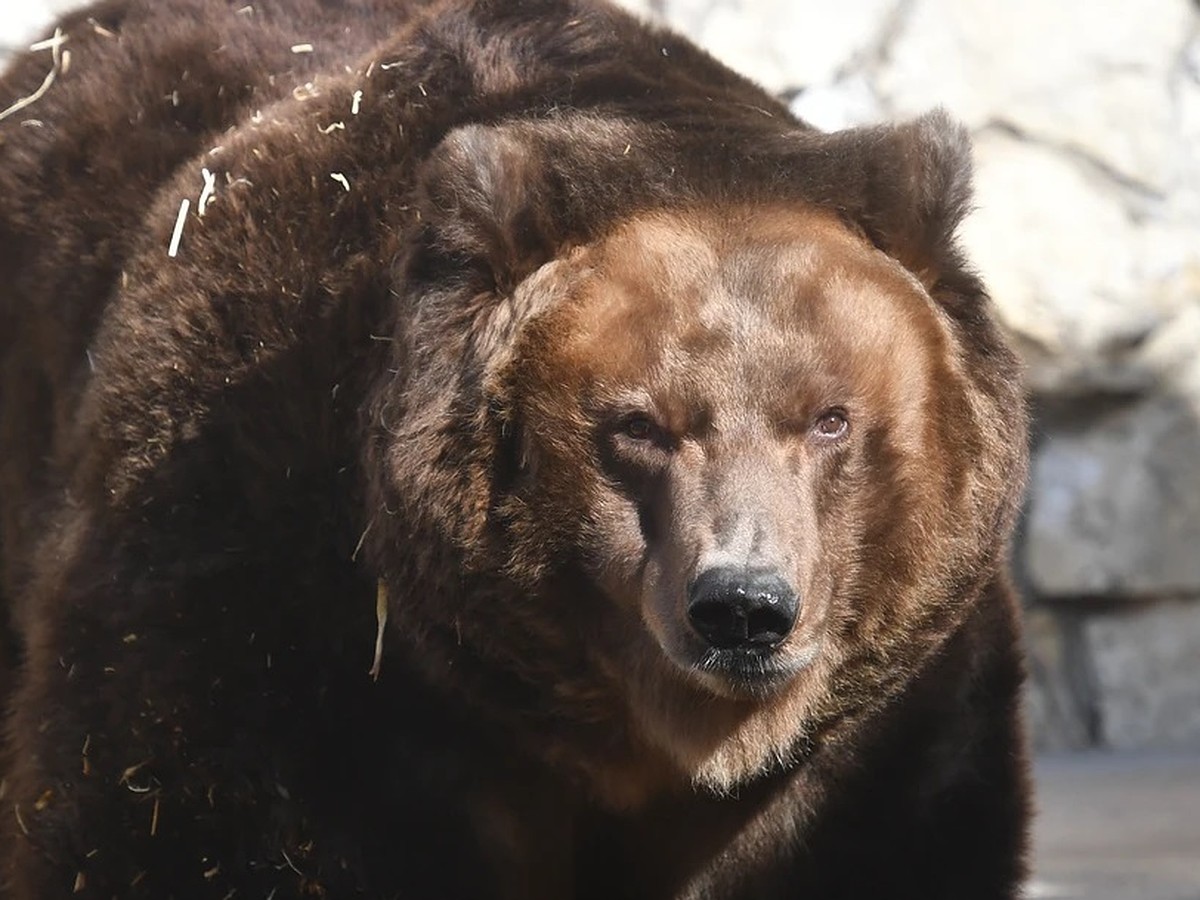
[{"x": 752, "y": 672}]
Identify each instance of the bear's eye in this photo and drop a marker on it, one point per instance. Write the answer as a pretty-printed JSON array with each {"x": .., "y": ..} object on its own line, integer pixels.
[
  {"x": 639, "y": 427},
  {"x": 831, "y": 424}
]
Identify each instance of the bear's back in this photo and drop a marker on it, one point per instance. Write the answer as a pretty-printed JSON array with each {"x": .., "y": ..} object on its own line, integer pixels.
[{"x": 140, "y": 89}]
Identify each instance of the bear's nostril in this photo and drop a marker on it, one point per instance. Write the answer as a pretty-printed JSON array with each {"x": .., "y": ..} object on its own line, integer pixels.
[
  {"x": 768, "y": 625},
  {"x": 719, "y": 623},
  {"x": 735, "y": 609}
]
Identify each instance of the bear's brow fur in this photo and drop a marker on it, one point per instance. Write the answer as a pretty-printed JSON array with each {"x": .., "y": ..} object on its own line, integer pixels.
[{"x": 446, "y": 252}]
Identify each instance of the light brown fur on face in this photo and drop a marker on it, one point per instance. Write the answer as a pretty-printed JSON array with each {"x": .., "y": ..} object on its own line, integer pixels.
[{"x": 734, "y": 334}]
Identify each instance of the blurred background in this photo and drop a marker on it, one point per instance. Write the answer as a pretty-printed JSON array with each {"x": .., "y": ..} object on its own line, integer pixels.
[{"x": 1086, "y": 121}]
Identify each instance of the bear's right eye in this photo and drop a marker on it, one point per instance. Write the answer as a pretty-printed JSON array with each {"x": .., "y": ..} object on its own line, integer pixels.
[{"x": 638, "y": 439}]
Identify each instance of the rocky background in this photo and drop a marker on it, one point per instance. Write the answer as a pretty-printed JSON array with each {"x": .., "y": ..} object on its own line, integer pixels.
[{"x": 1086, "y": 118}]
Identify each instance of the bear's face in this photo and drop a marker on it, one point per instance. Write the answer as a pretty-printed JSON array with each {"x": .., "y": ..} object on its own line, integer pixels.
[
  {"x": 729, "y": 420},
  {"x": 684, "y": 465}
]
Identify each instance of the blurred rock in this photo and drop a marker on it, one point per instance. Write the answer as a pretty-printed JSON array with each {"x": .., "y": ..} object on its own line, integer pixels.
[
  {"x": 1081, "y": 283},
  {"x": 1114, "y": 507},
  {"x": 781, "y": 44},
  {"x": 848, "y": 102},
  {"x": 1099, "y": 83},
  {"x": 1060, "y": 697},
  {"x": 1147, "y": 669}
]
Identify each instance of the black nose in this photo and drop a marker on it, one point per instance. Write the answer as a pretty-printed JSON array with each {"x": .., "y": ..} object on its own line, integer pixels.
[{"x": 733, "y": 608}]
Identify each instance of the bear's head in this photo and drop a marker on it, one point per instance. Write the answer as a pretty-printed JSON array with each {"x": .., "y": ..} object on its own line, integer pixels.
[{"x": 712, "y": 455}]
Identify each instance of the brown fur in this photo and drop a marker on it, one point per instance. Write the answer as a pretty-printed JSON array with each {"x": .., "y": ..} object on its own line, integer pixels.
[{"x": 557, "y": 218}]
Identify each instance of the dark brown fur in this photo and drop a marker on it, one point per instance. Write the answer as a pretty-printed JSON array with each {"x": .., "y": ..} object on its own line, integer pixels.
[{"x": 555, "y": 214}]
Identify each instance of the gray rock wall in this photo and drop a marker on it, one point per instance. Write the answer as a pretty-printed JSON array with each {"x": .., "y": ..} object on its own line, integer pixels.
[{"x": 1086, "y": 119}]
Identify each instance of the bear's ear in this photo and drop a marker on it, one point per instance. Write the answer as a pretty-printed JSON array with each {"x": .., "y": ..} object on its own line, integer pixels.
[
  {"x": 480, "y": 192},
  {"x": 917, "y": 191}
]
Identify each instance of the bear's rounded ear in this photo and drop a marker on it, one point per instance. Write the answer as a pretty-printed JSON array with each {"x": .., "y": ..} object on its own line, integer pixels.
[
  {"x": 917, "y": 191},
  {"x": 480, "y": 192}
]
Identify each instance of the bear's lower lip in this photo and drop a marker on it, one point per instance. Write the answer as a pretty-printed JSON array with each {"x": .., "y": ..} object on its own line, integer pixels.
[{"x": 752, "y": 672}]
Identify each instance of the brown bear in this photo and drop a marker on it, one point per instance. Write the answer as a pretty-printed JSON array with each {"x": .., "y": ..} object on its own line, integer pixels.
[{"x": 668, "y": 444}]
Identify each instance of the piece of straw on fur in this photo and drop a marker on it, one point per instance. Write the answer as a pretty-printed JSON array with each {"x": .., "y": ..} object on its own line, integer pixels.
[
  {"x": 54, "y": 45},
  {"x": 207, "y": 194},
  {"x": 381, "y": 614},
  {"x": 306, "y": 91},
  {"x": 180, "y": 221},
  {"x": 101, "y": 30}
]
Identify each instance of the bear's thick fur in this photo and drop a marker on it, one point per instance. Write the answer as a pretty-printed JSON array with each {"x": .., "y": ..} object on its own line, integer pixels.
[{"x": 676, "y": 437}]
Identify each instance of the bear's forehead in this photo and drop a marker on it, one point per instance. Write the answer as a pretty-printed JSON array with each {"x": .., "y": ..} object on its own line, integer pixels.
[{"x": 785, "y": 293}]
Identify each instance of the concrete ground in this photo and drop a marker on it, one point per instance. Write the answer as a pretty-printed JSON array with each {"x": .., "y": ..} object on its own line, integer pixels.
[{"x": 1117, "y": 827}]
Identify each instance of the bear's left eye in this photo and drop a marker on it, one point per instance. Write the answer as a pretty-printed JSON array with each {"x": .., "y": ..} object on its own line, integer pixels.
[
  {"x": 639, "y": 427},
  {"x": 831, "y": 424}
]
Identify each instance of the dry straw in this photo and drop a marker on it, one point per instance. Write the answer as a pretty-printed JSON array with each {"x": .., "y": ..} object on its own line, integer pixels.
[{"x": 61, "y": 60}]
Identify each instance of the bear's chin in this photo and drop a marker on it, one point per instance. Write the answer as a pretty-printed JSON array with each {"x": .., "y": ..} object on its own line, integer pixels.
[{"x": 722, "y": 729}]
